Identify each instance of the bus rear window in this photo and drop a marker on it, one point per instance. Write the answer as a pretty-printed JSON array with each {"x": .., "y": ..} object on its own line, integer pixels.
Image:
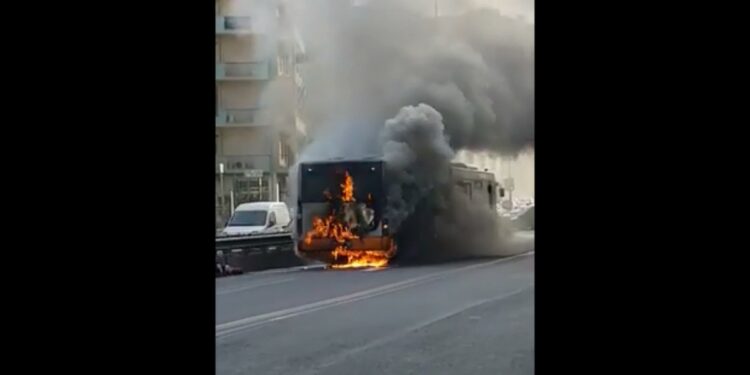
[{"x": 317, "y": 179}]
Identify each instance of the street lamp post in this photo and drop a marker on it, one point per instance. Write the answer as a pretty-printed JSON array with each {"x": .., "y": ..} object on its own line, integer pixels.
[
  {"x": 231, "y": 202},
  {"x": 221, "y": 187}
]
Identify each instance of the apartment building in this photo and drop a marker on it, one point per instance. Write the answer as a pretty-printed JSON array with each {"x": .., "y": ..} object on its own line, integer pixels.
[{"x": 258, "y": 128}]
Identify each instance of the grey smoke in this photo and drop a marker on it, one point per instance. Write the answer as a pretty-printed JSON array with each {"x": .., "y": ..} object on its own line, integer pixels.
[
  {"x": 418, "y": 160},
  {"x": 417, "y": 156},
  {"x": 384, "y": 79},
  {"x": 366, "y": 62}
]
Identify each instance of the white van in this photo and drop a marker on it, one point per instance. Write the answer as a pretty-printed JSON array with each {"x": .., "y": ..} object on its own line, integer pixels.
[{"x": 258, "y": 217}]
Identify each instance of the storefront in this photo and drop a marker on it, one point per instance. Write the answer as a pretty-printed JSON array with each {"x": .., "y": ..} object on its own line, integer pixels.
[{"x": 250, "y": 189}]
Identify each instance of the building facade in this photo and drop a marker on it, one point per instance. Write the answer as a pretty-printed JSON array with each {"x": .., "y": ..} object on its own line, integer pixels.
[{"x": 258, "y": 128}]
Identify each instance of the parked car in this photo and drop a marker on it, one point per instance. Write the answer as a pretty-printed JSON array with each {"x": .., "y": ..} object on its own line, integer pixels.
[{"x": 258, "y": 217}]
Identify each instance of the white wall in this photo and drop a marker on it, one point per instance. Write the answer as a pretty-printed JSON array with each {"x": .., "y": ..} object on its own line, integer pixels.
[
  {"x": 246, "y": 141},
  {"x": 246, "y": 49},
  {"x": 238, "y": 95}
]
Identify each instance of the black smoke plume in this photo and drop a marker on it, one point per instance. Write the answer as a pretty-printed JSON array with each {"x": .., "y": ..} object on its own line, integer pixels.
[
  {"x": 418, "y": 160},
  {"x": 366, "y": 62},
  {"x": 417, "y": 157},
  {"x": 384, "y": 79}
]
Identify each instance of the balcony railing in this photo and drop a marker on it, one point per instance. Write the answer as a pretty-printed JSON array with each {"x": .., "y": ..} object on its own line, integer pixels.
[
  {"x": 244, "y": 163},
  {"x": 242, "y": 117},
  {"x": 234, "y": 25},
  {"x": 243, "y": 71}
]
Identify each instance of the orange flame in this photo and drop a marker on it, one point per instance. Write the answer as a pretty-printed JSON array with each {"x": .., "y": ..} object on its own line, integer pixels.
[
  {"x": 330, "y": 227},
  {"x": 356, "y": 259},
  {"x": 347, "y": 189}
]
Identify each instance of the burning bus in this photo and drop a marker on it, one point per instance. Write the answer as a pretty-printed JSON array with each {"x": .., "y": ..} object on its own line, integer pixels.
[{"x": 341, "y": 217}]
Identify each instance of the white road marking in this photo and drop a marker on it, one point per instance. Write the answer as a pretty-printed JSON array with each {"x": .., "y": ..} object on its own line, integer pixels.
[
  {"x": 375, "y": 269},
  {"x": 252, "y": 274},
  {"x": 228, "y": 328},
  {"x": 252, "y": 286}
]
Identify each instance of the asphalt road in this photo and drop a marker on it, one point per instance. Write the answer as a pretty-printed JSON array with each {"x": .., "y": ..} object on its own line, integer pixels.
[{"x": 470, "y": 317}]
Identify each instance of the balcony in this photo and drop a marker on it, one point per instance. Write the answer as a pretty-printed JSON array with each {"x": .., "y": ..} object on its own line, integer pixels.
[
  {"x": 253, "y": 71},
  {"x": 234, "y": 25},
  {"x": 242, "y": 117},
  {"x": 244, "y": 164},
  {"x": 300, "y": 125}
]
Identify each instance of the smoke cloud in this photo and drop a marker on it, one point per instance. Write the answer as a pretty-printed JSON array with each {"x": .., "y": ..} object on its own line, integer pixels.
[
  {"x": 418, "y": 160},
  {"x": 388, "y": 78},
  {"x": 366, "y": 62},
  {"x": 417, "y": 156}
]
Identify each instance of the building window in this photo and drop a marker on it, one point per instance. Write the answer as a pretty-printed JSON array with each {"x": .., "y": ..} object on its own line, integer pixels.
[
  {"x": 251, "y": 190},
  {"x": 285, "y": 59},
  {"x": 465, "y": 188},
  {"x": 491, "y": 193},
  {"x": 286, "y": 155},
  {"x": 281, "y": 66}
]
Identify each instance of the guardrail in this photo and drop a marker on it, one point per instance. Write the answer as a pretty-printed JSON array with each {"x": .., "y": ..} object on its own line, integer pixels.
[{"x": 256, "y": 252}]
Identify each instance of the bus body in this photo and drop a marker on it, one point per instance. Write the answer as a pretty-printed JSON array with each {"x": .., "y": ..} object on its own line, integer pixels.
[{"x": 320, "y": 194}]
